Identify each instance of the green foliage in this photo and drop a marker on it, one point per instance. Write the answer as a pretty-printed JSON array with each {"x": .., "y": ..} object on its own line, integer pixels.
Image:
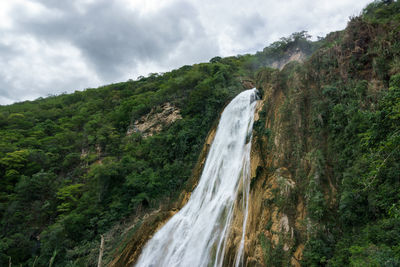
[
  {"x": 339, "y": 132},
  {"x": 68, "y": 196},
  {"x": 364, "y": 134},
  {"x": 273, "y": 254},
  {"x": 382, "y": 11},
  {"x": 318, "y": 250},
  {"x": 316, "y": 204},
  {"x": 70, "y": 170},
  {"x": 282, "y": 49},
  {"x": 71, "y": 167}
]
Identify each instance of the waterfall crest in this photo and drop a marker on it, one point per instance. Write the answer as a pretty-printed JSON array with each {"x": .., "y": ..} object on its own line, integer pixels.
[{"x": 197, "y": 234}]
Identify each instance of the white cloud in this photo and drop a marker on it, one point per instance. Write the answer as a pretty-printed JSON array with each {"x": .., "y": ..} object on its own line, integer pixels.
[
  {"x": 38, "y": 69},
  {"x": 48, "y": 46}
]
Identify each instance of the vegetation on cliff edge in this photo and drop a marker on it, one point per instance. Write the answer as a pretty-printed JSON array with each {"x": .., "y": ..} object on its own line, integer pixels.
[{"x": 73, "y": 166}]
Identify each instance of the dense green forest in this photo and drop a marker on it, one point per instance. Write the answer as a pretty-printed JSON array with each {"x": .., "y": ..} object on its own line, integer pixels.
[
  {"x": 346, "y": 97},
  {"x": 73, "y": 166},
  {"x": 70, "y": 170},
  {"x": 360, "y": 112}
]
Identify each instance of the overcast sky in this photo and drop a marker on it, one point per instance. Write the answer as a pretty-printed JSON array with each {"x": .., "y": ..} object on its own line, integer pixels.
[{"x": 52, "y": 46}]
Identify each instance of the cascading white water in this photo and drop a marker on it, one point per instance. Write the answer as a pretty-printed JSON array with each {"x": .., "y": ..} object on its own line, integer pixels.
[{"x": 197, "y": 234}]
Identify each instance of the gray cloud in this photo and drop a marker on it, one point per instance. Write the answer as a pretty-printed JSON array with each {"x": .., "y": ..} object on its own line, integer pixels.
[
  {"x": 111, "y": 37},
  {"x": 7, "y": 52},
  {"x": 48, "y": 47},
  {"x": 248, "y": 25},
  {"x": 4, "y": 88}
]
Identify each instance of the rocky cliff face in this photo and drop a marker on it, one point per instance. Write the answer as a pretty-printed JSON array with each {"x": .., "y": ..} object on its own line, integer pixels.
[
  {"x": 308, "y": 106},
  {"x": 297, "y": 172},
  {"x": 277, "y": 216},
  {"x": 295, "y": 54},
  {"x": 153, "y": 122},
  {"x": 271, "y": 229}
]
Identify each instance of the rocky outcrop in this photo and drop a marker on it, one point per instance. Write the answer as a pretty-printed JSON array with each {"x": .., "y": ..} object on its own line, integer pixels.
[
  {"x": 155, "y": 120},
  {"x": 293, "y": 55},
  {"x": 247, "y": 83}
]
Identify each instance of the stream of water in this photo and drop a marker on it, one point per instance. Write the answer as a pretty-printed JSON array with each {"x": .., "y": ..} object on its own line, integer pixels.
[{"x": 197, "y": 235}]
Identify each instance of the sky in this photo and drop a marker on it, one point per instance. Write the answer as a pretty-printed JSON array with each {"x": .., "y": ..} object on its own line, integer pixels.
[{"x": 48, "y": 47}]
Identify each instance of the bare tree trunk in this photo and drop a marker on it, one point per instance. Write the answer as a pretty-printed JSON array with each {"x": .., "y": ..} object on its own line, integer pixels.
[
  {"x": 53, "y": 258},
  {"x": 9, "y": 261},
  {"x": 101, "y": 251},
  {"x": 34, "y": 263}
]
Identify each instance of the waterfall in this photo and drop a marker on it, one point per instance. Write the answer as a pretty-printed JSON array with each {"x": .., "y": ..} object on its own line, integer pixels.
[{"x": 198, "y": 233}]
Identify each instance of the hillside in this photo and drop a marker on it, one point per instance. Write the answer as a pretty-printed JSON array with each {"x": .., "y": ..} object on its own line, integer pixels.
[
  {"x": 121, "y": 159},
  {"x": 326, "y": 152}
]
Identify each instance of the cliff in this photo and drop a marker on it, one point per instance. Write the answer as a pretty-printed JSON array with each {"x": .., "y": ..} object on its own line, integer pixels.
[
  {"x": 121, "y": 159},
  {"x": 310, "y": 197},
  {"x": 312, "y": 202}
]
